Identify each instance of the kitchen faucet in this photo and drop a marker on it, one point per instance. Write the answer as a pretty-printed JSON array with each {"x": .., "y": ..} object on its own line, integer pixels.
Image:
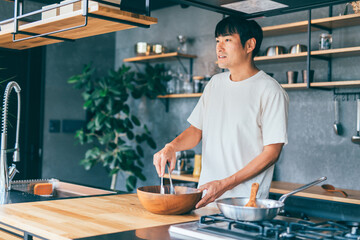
[{"x": 7, "y": 175}]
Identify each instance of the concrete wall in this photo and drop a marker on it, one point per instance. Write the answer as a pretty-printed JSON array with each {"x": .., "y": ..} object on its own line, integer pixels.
[
  {"x": 313, "y": 150},
  {"x": 61, "y": 156}
]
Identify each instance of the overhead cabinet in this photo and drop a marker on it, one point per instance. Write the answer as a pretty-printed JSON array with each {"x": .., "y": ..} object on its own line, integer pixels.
[{"x": 101, "y": 19}]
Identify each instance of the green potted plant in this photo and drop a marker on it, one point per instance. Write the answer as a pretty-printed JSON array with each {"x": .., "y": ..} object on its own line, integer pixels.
[{"x": 116, "y": 133}]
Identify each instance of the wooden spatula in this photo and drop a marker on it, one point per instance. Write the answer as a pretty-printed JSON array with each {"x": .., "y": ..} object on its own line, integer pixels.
[{"x": 252, "y": 200}]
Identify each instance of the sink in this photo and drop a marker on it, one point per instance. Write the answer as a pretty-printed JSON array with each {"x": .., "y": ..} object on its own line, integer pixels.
[{"x": 60, "y": 189}]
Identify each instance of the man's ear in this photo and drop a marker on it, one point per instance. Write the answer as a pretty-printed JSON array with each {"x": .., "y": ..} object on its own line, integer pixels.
[{"x": 250, "y": 45}]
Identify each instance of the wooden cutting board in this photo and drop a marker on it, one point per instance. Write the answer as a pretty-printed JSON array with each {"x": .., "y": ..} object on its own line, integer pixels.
[{"x": 89, "y": 216}]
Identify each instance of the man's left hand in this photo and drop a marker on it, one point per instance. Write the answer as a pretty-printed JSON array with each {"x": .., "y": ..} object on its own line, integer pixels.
[{"x": 214, "y": 190}]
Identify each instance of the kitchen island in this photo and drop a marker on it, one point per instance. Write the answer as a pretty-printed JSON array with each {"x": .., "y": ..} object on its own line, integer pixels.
[{"x": 85, "y": 217}]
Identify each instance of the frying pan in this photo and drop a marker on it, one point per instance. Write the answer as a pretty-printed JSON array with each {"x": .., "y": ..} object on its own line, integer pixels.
[{"x": 267, "y": 209}]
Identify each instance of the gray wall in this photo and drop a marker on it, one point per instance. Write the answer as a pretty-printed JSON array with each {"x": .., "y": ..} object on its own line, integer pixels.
[
  {"x": 61, "y": 156},
  {"x": 313, "y": 150}
]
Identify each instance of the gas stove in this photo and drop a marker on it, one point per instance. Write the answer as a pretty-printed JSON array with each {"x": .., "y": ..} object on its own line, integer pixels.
[{"x": 217, "y": 226}]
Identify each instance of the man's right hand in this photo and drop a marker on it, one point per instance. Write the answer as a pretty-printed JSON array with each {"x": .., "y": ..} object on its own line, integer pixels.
[{"x": 167, "y": 154}]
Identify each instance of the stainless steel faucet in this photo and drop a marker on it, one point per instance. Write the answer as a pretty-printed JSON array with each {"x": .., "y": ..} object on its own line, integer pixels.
[{"x": 6, "y": 175}]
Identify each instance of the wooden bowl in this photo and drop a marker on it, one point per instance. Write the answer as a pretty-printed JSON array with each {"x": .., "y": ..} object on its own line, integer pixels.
[{"x": 183, "y": 201}]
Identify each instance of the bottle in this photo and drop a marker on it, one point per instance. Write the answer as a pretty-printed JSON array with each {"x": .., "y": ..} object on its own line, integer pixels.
[{"x": 187, "y": 85}]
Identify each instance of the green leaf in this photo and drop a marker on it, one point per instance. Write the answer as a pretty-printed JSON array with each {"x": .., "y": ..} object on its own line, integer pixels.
[
  {"x": 103, "y": 93},
  {"x": 74, "y": 79},
  {"x": 126, "y": 109},
  {"x": 80, "y": 136},
  {"x": 146, "y": 129},
  {"x": 131, "y": 183},
  {"x": 88, "y": 103},
  {"x": 140, "y": 151},
  {"x": 151, "y": 143},
  {"x": 135, "y": 120},
  {"x": 130, "y": 135},
  {"x": 90, "y": 125},
  {"x": 138, "y": 139},
  {"x": 141, "y": 176},
  {"x": 114, "y": 171},
  {"x": 128, "y": 123}
]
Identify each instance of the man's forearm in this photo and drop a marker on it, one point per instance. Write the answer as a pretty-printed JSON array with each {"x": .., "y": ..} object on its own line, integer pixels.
[
  {"x": 186, "y": 140},
  {"x": 259, "y": 164}
]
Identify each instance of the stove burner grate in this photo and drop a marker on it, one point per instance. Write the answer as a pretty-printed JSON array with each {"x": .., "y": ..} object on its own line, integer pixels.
[
  {"x": 279, "y": 229},
  {"x": 261, "y": 230}
]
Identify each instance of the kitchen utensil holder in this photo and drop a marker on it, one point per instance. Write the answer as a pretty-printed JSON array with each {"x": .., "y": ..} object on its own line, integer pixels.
[{"x": 346, "y": 96}]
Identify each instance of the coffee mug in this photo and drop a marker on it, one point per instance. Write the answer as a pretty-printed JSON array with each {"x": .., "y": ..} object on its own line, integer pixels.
[
  {"x": 304, "y": 75},
  {"x": 291, "y": 76}
]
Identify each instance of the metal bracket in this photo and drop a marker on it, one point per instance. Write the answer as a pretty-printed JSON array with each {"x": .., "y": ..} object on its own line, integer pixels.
[
  {"x": 166, "y": 102},
  {"x": 309, "y": 56},
  {"x": 35, "y": 35},
  {"x": 321, "y": 57},
  {"x": 321, "y": 88},
  {"x": 147, "y": 7},
  {"x": 321, "y": 27},
  {"x": 27, "y": 236},
  {"x": 38, "y": 35},
  {"x": 182, "y": 65}
]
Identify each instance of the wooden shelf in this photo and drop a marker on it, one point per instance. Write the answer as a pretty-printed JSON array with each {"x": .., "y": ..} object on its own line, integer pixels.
[
  {"x": 94, "y": 27},
  {"x": 300, "y": 27},
  {"x": 183, "y": 177},
  {"x": 336, "y": 84},
  {"x": 157, "y": 57},
  {"x": 294, "y": 86},
  {"x": 329, "y": 53},
  {"x": 181, "y": 95},
  {"x": 281, "y": 58}
]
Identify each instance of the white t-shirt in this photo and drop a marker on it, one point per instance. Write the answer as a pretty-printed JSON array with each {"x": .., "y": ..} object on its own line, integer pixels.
[{"x": 237, "y": 120}]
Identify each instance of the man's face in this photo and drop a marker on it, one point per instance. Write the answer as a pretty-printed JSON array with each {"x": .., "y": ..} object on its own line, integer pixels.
[{"x": 230, "y": 52}]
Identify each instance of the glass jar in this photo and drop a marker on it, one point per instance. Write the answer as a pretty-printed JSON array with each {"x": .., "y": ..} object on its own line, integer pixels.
[
  {"x": 325, "y": 41},
  {"x": 182, "y": 48},
  {"x": 197, "y": 80},
  {"x": 170, "y": 86},
  {"x": 187, "y": 85}
]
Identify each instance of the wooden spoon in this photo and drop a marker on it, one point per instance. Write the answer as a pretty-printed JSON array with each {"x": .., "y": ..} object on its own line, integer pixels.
[
  {"x": 252, "y": 200},
  {"x": 331, "y": 188}
]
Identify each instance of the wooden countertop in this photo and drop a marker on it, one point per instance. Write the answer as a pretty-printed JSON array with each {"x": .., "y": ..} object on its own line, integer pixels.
[
  {"x": 89, "y": 216},
  {"x": 316, "y": 192}
]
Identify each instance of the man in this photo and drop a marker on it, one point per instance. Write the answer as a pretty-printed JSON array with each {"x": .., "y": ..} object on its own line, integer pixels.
[{"x": 241, "y": 119}]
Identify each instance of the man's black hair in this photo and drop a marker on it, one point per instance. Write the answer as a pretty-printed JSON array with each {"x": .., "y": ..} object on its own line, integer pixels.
[{"x": 245, "y": 28}]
